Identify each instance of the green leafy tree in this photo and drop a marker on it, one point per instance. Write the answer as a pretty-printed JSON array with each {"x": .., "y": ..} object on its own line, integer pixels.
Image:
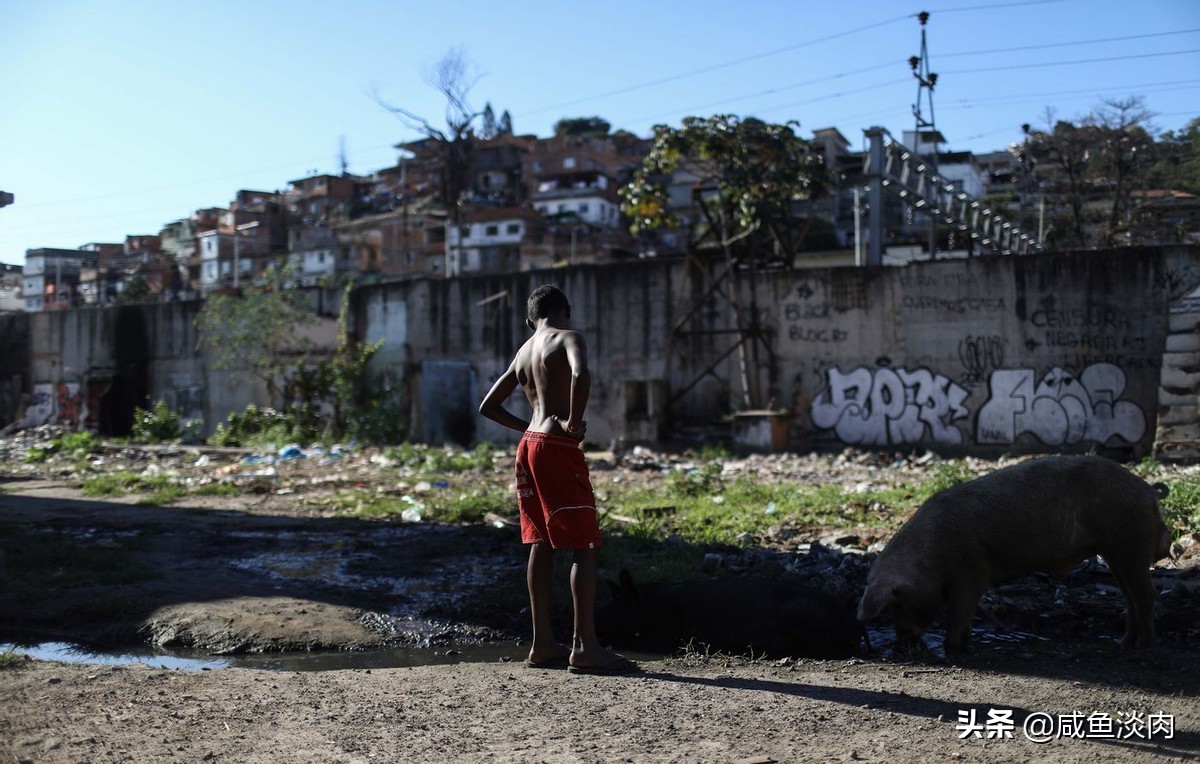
[
  {"x": 1059, "y": 156},
  {"x": 259, "y": 330},
  {"x": 358, "y": 412},
  {"x": 1177, "y": 165},
  {"x": 1124, "y": 156},
  {"x": 749, "y": 176},
  {"x": 136, "y": 290},
  {"x": 1090, "y": 172},
  {"x": 594, "y": 126}
]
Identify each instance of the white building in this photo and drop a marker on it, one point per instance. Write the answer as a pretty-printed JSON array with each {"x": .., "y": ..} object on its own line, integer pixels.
[
  {"x": 589, "y": 203},
  {"x": 488, "y": 241},
  {"x": 217, "y": 253},
  {"x": 314, "y": 253},
  {"x": 50, "y": 280},
  {"x": 10, "y": 288}
]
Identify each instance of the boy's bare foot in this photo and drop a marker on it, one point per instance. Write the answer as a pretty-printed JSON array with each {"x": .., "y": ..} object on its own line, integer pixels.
[
  {"x": 552, "y": 656},
  {"x": 599, "y": 660}
]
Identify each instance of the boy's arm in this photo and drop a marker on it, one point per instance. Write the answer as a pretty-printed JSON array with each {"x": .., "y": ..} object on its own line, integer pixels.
[
  {"x": 492, "y": 406},
  {"x": 581, "y": 382}
]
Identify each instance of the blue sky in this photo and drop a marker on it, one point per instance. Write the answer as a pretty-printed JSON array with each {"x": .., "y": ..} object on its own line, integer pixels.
[{"x": 118, "y": 117}]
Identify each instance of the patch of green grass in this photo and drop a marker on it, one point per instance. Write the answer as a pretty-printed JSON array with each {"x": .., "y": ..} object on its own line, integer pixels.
[
  {"x": 38, "y": 454},
  {"x": 216, "y": 489},
  {"x": 703, "y": 509},
  {"x": 124, "y": 482},
  {"x": 1181, "y": 508},
  {"x": 440, "y": 462},
  {"x": 79, "y": 444},
  {"x": 443, "y": 505},
  {"x": 471, "y": 507},
  {"x": 165, "y": 495},
  {"x": 112, "y": 484},
  {"x": 74, "y": 444},
  {"x": 943, "y": 475},
  {"x": 11, "y": 658}
]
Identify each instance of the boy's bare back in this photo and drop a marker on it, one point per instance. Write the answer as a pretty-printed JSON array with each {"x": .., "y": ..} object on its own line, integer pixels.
[
  {"x": 544, "y": 366},
  {"x": 551, "y": 367}
]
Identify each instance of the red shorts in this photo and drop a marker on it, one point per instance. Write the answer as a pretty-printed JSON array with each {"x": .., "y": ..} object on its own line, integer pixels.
[{"x": 554, "y": 493}]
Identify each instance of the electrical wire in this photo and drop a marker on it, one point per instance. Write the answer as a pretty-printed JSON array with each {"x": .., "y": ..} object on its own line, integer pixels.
[{"x": 1105, "y": 60}]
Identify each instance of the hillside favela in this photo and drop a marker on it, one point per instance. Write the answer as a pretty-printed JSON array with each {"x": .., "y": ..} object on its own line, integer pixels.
[{"x": 848, "y": 412}]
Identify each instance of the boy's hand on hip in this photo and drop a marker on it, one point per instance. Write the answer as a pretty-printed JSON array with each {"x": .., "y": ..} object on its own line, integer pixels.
[{"x": 573, "y": 430}]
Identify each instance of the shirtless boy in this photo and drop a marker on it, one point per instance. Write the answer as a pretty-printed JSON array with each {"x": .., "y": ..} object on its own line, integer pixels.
[{"x": 554, "y": 495}]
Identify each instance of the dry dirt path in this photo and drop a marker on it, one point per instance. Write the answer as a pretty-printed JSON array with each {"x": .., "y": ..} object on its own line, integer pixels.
[{"x": 678, "y": 711}]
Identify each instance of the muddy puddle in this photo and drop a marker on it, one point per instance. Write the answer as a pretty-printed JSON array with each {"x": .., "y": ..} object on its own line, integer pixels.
[
  {"x": 191, "y": 660},
  {"x": 505, "y": 652}
]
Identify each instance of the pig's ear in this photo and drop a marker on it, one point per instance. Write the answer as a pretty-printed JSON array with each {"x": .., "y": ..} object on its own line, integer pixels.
[{"x": 875, "y": 600}]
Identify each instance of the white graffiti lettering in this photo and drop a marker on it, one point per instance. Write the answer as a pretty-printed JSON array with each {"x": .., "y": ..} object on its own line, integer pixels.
[
  {"x": 890, "y": 407},
  {"x": 1061, "y": 408}
]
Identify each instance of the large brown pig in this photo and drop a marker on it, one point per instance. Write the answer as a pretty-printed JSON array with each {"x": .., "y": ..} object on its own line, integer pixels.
[{"x": 1048, "y": 515}]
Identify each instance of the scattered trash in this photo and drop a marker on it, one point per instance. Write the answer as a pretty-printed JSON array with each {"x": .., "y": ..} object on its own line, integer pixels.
[{"x": 292, "y": 451}]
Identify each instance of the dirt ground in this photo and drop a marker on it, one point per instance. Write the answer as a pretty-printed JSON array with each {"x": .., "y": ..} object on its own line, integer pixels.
[{"x": 264, "y": 572}]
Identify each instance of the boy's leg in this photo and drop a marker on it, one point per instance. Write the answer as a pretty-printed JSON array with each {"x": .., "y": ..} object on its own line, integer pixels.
[
  {"x": 586, "y": 649},
  {"x": 538, "y": 575}
]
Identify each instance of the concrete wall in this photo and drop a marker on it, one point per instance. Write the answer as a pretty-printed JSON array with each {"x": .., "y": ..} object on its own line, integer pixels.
[
  {"x": 14, "y": 365},
  {"x": 984, "y": 355}
]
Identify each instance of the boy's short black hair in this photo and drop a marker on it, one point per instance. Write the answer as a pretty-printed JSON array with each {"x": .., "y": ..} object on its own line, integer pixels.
[{"x": 545, "y": 300}]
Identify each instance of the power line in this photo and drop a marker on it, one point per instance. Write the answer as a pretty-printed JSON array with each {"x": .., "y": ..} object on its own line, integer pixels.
[
  {"x": 184, "y": 184},
  {"x": 1045, "y": 46},
  {"x": 1069, "y": 63},
  {"x": 992, "y": 6},
  {"x": 733, "y": 62},
  {"x": 716, "y": 67}
]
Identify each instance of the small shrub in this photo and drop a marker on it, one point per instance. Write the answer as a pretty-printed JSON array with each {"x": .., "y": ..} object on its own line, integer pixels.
[
  {"x": 11, "y": 658},
  {"x": 41, "y": 453},
  {"x": 74, "y": 444},
  {"x": 114, "y": 484},
  {"x": 1181, "y": 508},
  {"x": 155, "y": 425},
  {"x": 702, "y": 481},
  {"x": 257, "y": 426},
  {"x": 79, "y": 444}
]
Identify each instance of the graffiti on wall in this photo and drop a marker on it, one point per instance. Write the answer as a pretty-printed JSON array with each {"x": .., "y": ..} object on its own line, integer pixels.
[
  {"x": 41, "y": 405},
  {"x": 70, "y": 401},
  {"x": 890, "y": 407},
  {"x": 979, "y": 354},
  {"x": 1060, "y": 408}
]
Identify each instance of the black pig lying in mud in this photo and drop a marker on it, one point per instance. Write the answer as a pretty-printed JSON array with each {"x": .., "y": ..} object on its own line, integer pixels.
[
  {"x": 758, "y": 616},
  {"x": 1044, "y": 515}
]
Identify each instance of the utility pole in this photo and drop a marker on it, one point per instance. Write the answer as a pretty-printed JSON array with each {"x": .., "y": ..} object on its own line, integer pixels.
[{"x": 926, "y": 80}]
